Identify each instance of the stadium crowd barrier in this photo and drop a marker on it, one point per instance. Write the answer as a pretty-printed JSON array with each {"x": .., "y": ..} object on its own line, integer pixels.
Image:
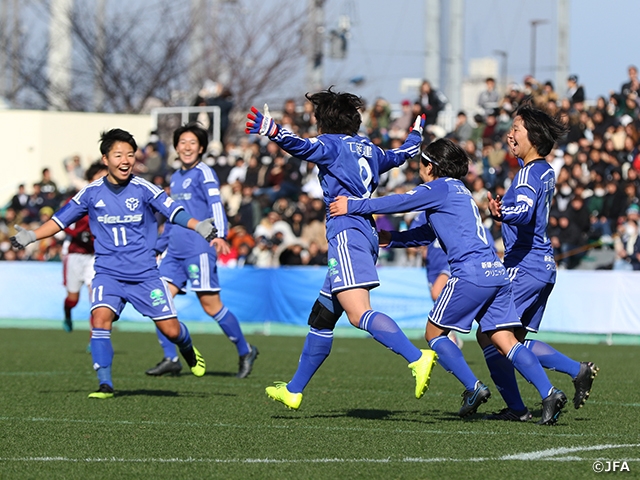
[{"x": 591, "y": 302}]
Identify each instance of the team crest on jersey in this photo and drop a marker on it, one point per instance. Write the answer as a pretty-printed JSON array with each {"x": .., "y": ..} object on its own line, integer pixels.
[
  {"x": 333, "y": 267},
  {"x": 157, "y": 297},
  {"x": 194, "y": 271},
  {"x": 132, "y": 203},
  {"x": 186, "y": 183}
]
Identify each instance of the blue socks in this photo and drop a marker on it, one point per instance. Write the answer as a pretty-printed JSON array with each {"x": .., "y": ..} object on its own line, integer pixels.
[
  {"x": 183, "y": 341},
  {"x": 229, "y": 325},
  {"x": 552, "y": 359},
  {"x": 102, "y": 354},
  {"x": 385, "y": 331},
  {"x": 529, "y": 367},
  {"x": 503, "y": 375},
  {"x": 168, "y": 347},
  {"x": 317, "y": 347},
  {"x": 452, "y": 360},
  {"x": 231, "y": 328}
]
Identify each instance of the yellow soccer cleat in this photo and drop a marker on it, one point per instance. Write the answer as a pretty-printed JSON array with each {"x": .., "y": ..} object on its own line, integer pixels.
[
  {"x": 421, "y": 369},
  {"x": 104, "y": 391},
  {"x": 282, "y": 395},
  {"x": 200, "y": 367}
]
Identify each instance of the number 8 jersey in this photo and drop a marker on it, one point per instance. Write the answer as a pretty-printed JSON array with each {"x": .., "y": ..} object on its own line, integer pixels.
[
  {"x": 121, "y": 218},
  {"x": 350, "y": 166}
]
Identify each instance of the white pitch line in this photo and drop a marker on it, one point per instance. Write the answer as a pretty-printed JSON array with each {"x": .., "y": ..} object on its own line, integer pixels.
[
  {"x": 305, "y": 460},
  {"x": 551, "y": 452}
]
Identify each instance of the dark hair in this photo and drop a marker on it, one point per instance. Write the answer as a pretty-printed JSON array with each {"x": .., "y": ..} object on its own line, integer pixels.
[
  {"x": 94, "y": 168},
  {"x": 543, "y": 130},
  {"x": 197, "y": 130},
  {"x": 107, "y": 139},
  {"x": 337, "y": 112},
  {"x": 448, "y": 159}
]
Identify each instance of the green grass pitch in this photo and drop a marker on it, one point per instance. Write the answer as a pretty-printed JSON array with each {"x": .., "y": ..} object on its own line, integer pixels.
[{"x": 358, "y": 419}]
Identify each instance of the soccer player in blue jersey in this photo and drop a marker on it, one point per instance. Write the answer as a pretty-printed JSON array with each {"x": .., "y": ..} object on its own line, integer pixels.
[
  {"x": 349, "y": 164},
  {"x": 121, "y": 210},
  {"x": 524, "y": 213},
  {"x": 189, "y": 258},
  {"x": 479, "y": 287}
]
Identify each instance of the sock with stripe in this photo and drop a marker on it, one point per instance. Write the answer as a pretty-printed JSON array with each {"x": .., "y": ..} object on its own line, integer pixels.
[
  {"x": 231, "y": 328},
  {"x": 451, "y": 359},
  {"x": 168, "y": 347},
  {"x": 184, "y": 344},
  {"x": 503, "y": 375},
  {"x": 529, "y": 367},
  {"x": 102, "y": 355},
  {"x": 552, "y": 359},
  {"x": 385, "y": 331},
  {"x": 317, "y": 347}
]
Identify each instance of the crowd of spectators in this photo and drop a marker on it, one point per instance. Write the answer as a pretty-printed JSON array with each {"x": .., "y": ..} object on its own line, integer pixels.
[{"x": 274, "y": 201}]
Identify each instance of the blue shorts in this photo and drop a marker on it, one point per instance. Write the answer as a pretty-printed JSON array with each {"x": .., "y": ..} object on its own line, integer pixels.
[
  {"x": 151, "y": 298},
  {"x": 530, "y": 296},
  {"x": 461, "y": 302},
  {"x": 201, "y": 270},
  {"x": 352, "y": 263}
]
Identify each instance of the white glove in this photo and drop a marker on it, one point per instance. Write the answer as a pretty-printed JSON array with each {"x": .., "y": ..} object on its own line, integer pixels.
[
  {"x": 22, "y": 238},
  {"x": 207, "y": 229}
]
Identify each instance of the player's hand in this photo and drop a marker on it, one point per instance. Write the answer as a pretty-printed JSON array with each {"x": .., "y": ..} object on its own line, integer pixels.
[
  {"x": 384, "y": 238},
  {"x": 418, "y": 125},
  {"x": 495, "y": 205},
  {"x": 207, "y": 229},
  {"x": 261, "y": 123},
  {"x": 22, "y": 238},
  {"x": 339, "y": 206},
  {"x": 222, "y": 247}
]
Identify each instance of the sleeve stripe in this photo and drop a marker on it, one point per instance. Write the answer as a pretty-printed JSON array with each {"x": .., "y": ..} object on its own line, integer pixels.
[
  {"x": 218, "y": 219},
  {"x": 206, "y": 171},
  {"x": 175, "y": 212},
  {"x": 523, "y": 178},
  {"x": 150, "y": 186},
  {"x": 55, "y": 219},
  {"x": 77, "y": 196}
]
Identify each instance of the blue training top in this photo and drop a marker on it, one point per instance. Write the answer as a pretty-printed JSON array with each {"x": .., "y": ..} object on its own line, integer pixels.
[
  {"x": 350, "y": 166},
  {"x": 453, "y": 218},
  {"x": 121, "y": 218},
  {"x": 198, "y": 191},
  {"x": 525, "y": 216}
]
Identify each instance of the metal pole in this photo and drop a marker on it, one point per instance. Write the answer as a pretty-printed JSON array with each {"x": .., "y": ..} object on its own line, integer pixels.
[
  {"x": 534, "y": 25},
  {"x": 562, "y": 58},
  {"x": 315, "y": 59},
  {"x": 432, "y": 43}
]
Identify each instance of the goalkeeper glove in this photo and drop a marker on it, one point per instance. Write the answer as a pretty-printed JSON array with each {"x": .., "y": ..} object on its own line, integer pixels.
[
  {"x": 22, "y": 238},
  {"x": 418, "y": 125},
  {"x": 207, "y": 229},
  {"x": 261, "y": 123}
]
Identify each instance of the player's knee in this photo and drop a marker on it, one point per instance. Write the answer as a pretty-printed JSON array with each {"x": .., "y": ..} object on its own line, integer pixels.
[
  {"x": 169, "y": 328},
  {"x": 322, "y": 318}
]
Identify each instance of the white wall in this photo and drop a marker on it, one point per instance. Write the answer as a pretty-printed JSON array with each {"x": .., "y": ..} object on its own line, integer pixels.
[{"x": 33, "y": 140}]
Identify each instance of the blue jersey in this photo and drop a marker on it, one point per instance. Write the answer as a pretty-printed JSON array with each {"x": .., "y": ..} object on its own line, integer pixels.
[
  {"x": 350, "y": 166},
  {"x": 436, "y": 260},
  {"x": 122, "y": 221},
  {"x": 454, "y": 219},
  {"x": 198, "y": 191},
  {"x": 525, "y": 215}
]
